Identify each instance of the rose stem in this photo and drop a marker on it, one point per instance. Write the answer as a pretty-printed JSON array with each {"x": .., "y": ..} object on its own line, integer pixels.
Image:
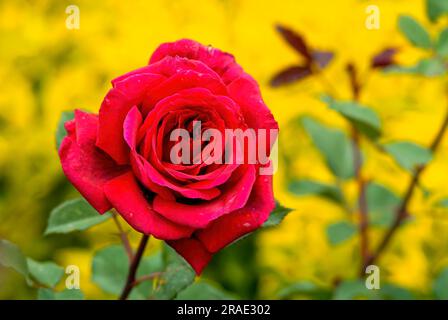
[
  {"x": 133, "y": 268},
  {"x": 362, "y": 202},
  {"x": 402, "y": 210},
  {"x": 357, "y": 163},
  {"x": 124, "y": 237}
]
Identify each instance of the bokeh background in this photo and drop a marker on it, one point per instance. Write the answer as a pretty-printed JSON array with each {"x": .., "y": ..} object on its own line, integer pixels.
[{"x": 46, "y": 68}]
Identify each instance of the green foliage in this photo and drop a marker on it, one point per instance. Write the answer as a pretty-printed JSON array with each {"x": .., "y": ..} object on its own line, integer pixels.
[
  {"x": 74, "y": 215},
  {"x": 356, "y": 289},
  {"x": 353, "y": 289},
  {"x": 436, "y": 8},
  {"x": 442, "y": 203},
  {"x": 150, "y": 265},
  {"x": 442, "y": 43},
  {"x": 430, "y": 67},
  {"x": 304, "y": 289},
  {"x": 390, "y": 291},
  {"x": 60, "y": 131},
  {"x": 408, "y": 155},
  {"x": 340, "y": 231},
  {"x": 110, "y": 269},
  {"x": 310, "y": 187},
  {"x": 66, "y": 294},
  {"x": 331, "y": 142},
  {"x": 46, "y": 273},
  {"x": 382, "y": 204},
  {"x": 276, "y": 216},
  {"x": 203, "y": 291},
  {"x": 363, "y": 118},
  {"x": 12, "y": 257},
  {"x": 177, "y": 275},
  {"x": 414, "y": 32},
  {"x": 440, "y": 285},
  {"x": 227, "y": 269}
]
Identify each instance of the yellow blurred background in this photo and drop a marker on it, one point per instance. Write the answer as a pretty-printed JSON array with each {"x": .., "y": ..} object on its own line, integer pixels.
[{"x": 47, "y": 68}]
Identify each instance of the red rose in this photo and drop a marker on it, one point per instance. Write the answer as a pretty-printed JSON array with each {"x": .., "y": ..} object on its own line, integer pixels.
[{"x": 121, "y": 158}]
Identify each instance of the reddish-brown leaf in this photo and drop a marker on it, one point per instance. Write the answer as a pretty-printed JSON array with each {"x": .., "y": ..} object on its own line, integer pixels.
[
  {"x": 295, "y": 40},
  {"x": 322, "y": 58},
  {"x": 384, "y": 59},
  {"x": 290, "y": 75}
]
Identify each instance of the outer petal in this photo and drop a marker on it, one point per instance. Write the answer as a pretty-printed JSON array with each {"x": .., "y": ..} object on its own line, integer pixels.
[
  {"x": 246, "y": 93},
  {"x": 126, "y": 196},
  {"x": 200, "y": 215},
  {"x": 86, "y": 167},
  {"x": 230, "y": 227},
  {"x": 193, "y": 251},
  {"x": 221, "y": 62},
  {"x": 116, "y": 105}
]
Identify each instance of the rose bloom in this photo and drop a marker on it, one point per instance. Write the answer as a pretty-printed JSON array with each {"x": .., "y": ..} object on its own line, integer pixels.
[{"x": 120, "y": 158}]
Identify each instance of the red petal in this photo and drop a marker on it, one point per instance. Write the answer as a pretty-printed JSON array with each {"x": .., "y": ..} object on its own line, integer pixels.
[
  {"x": 246, "y": 93},
  {"x": 193, "y": 251},
  {"x": 232, "y": 226},
  {"x": 86, "y": 167},
  {"x": 128, "y": 199},
  {"x": 200, "y": 215},
  {"x": 221, "y": 62},
  {"x": 131, "y": 125},
  {"x": 116, "y": 105}
]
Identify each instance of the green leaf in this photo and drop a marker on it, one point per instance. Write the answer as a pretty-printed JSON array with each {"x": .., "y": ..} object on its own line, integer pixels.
[
  {"x": 305, "y": 289},
  {"x": 203, "y": 291},
  {"x": 443, "y": 203},
  {"x": 60, "y": 130},
  {"x": 74, "y": 215},
  {"x": 110, "y": 268},
  {"x": 442, "y": 43},
  {"x": 149, "y": 265},
  {"x": 414, "y": 32},
  {"x": 276, "y": 216},
  {"x": 310, "y": 187},
  {"x": 390, "y": 291},
  {"x": 340, "y": 231},
  {"x": 353, "y": 289},
  {"x": 177, "y": 275},
  {"x": 363, "y": 118},
  {"x": 436, "y": 8},
  {"x": 356, "y": 289},
  {"x": 12, "y": 257},
  {"x": 408, "y": 155},
  {"x": 425, "y": 67},
  {"x": 46, "y": 273},
  {"x": 331, "y": 142},
  {"x": 440, "y": 285},
  {"x": 66, "y": 294},
  {"x": 382, "y": 204}
]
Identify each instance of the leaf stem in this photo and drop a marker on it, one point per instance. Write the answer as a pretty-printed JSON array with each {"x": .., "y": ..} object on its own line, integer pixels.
[
  {"x": 362, "y": 202},
  {"x": 402, "y": 211},
  {"x": 356, "y": 88},
  {"x": 124, "y": 237},
  {"x": 147, "y": 277},
  {"x": 130, "y": 282}
]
